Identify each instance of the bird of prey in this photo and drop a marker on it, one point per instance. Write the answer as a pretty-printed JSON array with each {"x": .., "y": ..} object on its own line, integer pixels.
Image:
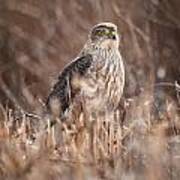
[{"x": 96, "y": 75}]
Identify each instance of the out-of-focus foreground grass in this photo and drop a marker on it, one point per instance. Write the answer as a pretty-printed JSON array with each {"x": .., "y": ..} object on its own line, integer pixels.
[{"x": 141, "y": 141}]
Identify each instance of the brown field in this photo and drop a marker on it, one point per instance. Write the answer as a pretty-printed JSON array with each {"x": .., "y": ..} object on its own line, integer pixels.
[{"x": 141, "y": 141}]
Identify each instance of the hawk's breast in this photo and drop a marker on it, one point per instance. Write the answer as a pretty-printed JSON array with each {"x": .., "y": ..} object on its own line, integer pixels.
[{"x": 105, "y": 80}]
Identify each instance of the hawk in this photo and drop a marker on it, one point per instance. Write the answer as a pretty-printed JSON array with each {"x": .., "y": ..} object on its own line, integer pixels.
[{"x": 96, "y": 75}]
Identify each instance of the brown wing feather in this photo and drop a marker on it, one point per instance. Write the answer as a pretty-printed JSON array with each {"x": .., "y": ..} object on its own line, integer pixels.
[{"x": 62, "y": 90}]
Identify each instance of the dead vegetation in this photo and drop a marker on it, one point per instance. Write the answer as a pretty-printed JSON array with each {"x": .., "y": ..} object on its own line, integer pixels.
[
  {"x": 129, "y": 145},
  {"x": 139, "y": 141}
]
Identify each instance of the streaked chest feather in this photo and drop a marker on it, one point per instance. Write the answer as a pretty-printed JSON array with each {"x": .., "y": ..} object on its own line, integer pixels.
[{"x": 105, "y": 80}]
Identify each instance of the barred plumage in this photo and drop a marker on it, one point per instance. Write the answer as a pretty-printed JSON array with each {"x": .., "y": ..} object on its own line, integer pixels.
[{"x": 97, "y": 74}]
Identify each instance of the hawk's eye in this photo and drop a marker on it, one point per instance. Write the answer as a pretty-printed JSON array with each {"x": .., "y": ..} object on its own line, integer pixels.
[
  {"x": 101, "y": 32},
  {"x": 112, "y": 33}
]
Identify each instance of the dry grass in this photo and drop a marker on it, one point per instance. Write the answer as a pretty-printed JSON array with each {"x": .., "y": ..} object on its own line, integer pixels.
[
  {"x": 140, "y": 141},
  {"x": 128, "y": 145}
]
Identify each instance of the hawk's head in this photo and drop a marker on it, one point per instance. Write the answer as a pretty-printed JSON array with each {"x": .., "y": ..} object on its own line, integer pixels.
[{"x": 105, "y": 35}]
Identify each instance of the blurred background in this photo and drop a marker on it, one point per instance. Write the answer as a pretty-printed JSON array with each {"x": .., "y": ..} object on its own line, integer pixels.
[{"x": 37, "y": 38}]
